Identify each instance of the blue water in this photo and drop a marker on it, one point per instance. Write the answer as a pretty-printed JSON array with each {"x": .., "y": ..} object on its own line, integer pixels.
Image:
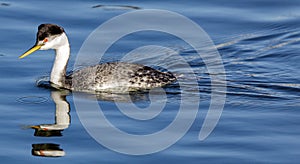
[{"x": 257, "y": 40}]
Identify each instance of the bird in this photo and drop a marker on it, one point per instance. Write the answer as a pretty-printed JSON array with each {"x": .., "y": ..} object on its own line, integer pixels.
[{"x": 114, "y": 77}]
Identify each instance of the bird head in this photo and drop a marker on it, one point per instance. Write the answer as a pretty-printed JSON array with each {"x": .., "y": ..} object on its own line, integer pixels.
[{"x": 49, "y": 36}]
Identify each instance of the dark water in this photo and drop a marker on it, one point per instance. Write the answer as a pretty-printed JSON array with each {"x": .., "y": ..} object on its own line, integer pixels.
[{"x": 257, "y": 40}]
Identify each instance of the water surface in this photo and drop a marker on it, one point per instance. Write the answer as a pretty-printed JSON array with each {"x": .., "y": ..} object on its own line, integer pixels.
[{"x": 257, "y": 40}]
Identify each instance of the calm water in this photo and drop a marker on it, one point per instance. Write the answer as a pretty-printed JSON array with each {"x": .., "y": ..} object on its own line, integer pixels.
[{"x": 259, "y": 44}]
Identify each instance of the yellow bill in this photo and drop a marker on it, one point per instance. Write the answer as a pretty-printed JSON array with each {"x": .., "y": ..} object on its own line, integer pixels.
[
  {"x": 35, "y": 127},
  {"x": 30, "y": 51}
]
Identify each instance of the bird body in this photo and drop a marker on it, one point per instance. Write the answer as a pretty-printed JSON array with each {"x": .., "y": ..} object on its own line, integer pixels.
[
  {"x": 117, "y": 77},
  {"x": 107, "y": 77}
]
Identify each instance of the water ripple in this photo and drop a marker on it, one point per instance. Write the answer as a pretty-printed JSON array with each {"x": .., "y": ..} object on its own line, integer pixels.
[
  {"x": 117, "y": 7},
  {"x": 32, "y": 99}
]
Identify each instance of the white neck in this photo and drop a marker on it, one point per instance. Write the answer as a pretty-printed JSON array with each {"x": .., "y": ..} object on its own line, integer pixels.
[{"x": 58, "y": 72}]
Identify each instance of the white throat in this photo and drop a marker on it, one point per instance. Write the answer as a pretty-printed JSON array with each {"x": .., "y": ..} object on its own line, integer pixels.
[{"x": 62, "y": 51}]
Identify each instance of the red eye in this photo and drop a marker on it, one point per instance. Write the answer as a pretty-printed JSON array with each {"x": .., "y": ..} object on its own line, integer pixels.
[{"x": 45, "y": 40}]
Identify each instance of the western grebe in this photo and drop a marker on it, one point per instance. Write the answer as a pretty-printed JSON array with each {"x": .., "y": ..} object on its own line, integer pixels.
[{"x": 107, "y": 77}]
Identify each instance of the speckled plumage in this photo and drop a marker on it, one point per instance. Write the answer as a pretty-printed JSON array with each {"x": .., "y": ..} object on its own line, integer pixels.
[
  {"x": 117, "y": 77},
  {"x": 109, "y": 77}
]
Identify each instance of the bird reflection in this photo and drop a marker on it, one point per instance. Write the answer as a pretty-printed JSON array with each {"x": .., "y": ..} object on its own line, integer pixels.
[
  {"x": 62, "y": 118},
  {"x": 62, "y": 121},
  {"x": 47, "y": 150}
]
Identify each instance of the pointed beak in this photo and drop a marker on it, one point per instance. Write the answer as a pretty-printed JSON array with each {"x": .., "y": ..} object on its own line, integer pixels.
[
  {"x": 30, "y": 51},
  {"x": 35, "y": 127}
]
